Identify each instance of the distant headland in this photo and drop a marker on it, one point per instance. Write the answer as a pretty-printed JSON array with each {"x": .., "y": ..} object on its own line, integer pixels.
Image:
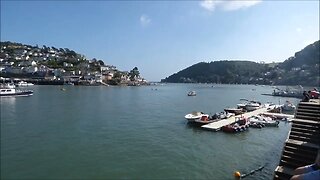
[
  {"x": 51, "y": 65},
  {"x": 300, "y": 69}
]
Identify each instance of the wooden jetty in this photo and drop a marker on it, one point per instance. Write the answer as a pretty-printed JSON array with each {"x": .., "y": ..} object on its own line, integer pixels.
[
  {"x": 215, "y": 126},
  {"x": 303, "y": 142}
]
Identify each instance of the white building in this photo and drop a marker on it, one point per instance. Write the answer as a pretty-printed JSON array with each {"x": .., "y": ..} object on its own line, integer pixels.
[
  {"x": 31, "y": 69},
  {"x": 65, "y": 64}
]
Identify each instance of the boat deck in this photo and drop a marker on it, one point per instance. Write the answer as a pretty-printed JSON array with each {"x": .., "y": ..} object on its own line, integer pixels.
[{"x": 217, "y": 125}]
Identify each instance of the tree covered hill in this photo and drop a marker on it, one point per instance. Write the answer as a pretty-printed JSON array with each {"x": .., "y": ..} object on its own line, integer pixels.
[
  {"x": 219, "y": 72},
  {"x": 302, "y": 69},
  {"x": 308, "y": 56}
]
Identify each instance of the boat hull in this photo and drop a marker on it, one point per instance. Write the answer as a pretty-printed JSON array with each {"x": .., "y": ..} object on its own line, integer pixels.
[
  {"x": 192, "y": 117},
  {"x": 238, "y": 126},
  {"x": 23, "y": 93},
  {"x": 234, "y": 110}
]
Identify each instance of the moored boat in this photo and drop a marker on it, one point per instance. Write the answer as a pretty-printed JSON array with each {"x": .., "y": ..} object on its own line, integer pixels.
[
  {"x": 8, "y": 85},
  {"x": 253, "y": 105},
  {"x": 195, "y": 115},
  {"x": 236, "y": 111},
  {"x": 24, "y": 84},
  {"x": 288, "y": 106},
  {"x": 256, "y": 125},
  {"x": 267, "y": 121},
  {"x": 205, "y": 119},
  {"x": 240, "y": 125}
]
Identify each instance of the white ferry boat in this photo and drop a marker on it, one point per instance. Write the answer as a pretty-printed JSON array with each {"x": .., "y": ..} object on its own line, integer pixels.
[
  {"x": 24, "y": 84},
  {"x": 7, "y": 91}
]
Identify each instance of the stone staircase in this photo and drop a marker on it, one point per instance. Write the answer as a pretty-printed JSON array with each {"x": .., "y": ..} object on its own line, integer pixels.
[{"x": 303, "y": 142}]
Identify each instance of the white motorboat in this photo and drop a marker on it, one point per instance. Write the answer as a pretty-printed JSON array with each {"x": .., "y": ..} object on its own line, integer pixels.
[
  {"x": 288, "y": 106},
  {"x": 236, "y": 111},
  {"x": 205, "y": 119},
  {"x": 8, "y": 85},
  {"x": 267, "y": 121},
  {"x": 192, "y": 93},
  {"x": 241, "y": 106},
  {"x": 194, "y": 115},
  {"x": 24, "y": 84},
  {"x": 9, "y": 92},
  {"x": 253, "y": 105}
]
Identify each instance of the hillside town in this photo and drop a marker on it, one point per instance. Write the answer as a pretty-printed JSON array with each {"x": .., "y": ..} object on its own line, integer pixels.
[{"x": 51, "y": 65}]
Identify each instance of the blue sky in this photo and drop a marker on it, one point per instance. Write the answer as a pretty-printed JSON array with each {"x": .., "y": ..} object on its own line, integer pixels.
[{"x": 164, "y": 37}]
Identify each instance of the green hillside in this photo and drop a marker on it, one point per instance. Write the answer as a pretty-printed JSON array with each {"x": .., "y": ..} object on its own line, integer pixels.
[{"x": 302, "y": 69}]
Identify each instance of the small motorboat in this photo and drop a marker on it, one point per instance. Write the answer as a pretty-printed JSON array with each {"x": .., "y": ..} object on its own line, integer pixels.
[
  {"x": 253, "y": 105},
  {"x": 267, "y": 121},
  {"x": 192, "y": 93},
  {"x": 222, "y": 115},
  {"x": 8, "y": 85},
  {"x": 249, "y": 105},
  {"x": 288, "y": 106},
  {"x": 195, "y": 115},
  {"x": 272, "y": 108},
  {"x": 236, "y": 111},
  {"x": 205, "y": 119},
  {"x": 241, "y": 106},
  {"x": 240, "y": 125},
  {"x": 256, "y": 125},
  {"x": 225, "y": 115}
]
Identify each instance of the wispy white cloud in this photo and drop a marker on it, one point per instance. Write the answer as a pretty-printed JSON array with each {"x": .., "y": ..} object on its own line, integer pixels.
[
  {"x": 145, "y": 20},
  {"x": 231, "y": 5},
  {"x": 210, "y": 5},
  {"x": 235, "y": 5}
]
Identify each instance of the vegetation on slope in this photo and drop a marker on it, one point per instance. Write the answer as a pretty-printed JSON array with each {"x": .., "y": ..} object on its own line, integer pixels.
[{"x": 302, "y": 69}]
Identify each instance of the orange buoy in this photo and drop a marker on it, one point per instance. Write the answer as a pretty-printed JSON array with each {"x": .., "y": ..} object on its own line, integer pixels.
[{"x": 237, "y": 174}]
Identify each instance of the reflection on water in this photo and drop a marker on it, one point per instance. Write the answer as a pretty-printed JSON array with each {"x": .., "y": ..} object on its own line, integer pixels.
[
  {"x": 8, "y": 109},
  {"x": 8, "y": 100}
]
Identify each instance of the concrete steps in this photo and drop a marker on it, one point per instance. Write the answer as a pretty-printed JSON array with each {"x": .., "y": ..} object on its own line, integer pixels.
[
  {"x": 306, "y": 137},
  {"x": 288, "y": 152},
  {"x": 303, "y": 141},
  {"x": 305, "y": 130},
  {"x": 316, "y": 119},
  {"x": 283, "y": 173},
  {"x": 305, "y": 126},
  {"x": 316, "y": 110}
]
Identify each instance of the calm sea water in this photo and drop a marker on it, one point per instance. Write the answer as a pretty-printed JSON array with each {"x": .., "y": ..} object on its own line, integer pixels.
[{"x": 132, "y": 133}]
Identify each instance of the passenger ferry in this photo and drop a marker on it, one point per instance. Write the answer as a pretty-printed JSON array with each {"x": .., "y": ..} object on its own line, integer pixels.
[{"x": 7, "y": 91}]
